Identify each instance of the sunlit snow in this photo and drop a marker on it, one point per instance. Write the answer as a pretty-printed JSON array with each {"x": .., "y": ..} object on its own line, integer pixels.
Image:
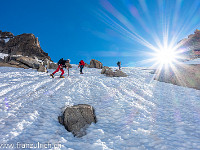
[{"x": 135, "y": 112}]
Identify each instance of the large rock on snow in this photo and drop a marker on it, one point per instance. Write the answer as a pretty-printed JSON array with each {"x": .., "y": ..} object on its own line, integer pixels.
[
  {"x": 77, "y": 118},
  {"x": 110, "y": 73},
  {"x": 119, "y": 73},
  {"x": 95, "y": 64},
  {"x": 103, "y": 71},
  {"x": 30, "y": 62},
  {"x": 53, "y": 65},
  {"x": 184, "y": 75},
  {"x": 42, "y": 68}
]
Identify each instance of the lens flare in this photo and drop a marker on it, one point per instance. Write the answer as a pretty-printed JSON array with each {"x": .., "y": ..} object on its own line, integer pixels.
[{"x": 166, "y": 56}]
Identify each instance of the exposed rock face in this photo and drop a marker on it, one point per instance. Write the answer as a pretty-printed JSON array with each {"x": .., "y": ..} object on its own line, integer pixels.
[
  {"x": 24, "y": 62},
  {"x": 42, "y": 68},
  {"x": 103, "y": 71},
  {"x": 30, "y": 62},
  {"x": 24, "y": 44},
  {"x": 110, "y": 73},
  {"x": 119, "y": 73},
  {"x": 77, "y": 118},
  {"x": 23, "y": 51},
  {"x": 53, "y": 65},
  {"x": 95, "y": 64},
  {"x": 186, "y": 75},
  {"x": 6, "y": 35},
  {"x": 191, "y": 46}
]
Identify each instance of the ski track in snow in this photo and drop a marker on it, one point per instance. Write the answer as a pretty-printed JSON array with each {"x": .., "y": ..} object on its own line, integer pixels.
[{"x": 135, "y": 112}]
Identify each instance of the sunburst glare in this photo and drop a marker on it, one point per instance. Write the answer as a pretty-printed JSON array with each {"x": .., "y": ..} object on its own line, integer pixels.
[
  {"x": 166, "y": 56},
  {"x": 157, "y": 33}
]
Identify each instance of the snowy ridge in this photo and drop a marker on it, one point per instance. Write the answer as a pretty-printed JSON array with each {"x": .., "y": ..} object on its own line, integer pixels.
[{"x": 132, "y": 113}]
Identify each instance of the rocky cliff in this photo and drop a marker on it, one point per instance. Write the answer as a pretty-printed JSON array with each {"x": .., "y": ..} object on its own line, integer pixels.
[{"x": 24, "y": 44}]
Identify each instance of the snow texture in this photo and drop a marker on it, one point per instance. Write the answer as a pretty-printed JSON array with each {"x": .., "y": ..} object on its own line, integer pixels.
[
  {"x": 6, "y": 40},
  {"x": 133, "y": 113},
  {"x": 2, "y": 55}
]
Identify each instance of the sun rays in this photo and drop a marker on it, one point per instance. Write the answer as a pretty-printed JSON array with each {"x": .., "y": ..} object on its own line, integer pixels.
[{"x": 157, "y": 28}]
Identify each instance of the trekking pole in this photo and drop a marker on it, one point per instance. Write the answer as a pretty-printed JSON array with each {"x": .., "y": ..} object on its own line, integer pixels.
[{"x": 68, "y": 71}]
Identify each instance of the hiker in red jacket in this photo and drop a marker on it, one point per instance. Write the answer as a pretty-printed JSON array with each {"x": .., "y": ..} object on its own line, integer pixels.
[
  {"x": 61, "y": 65},
  {"x": 81, "y": 65}
]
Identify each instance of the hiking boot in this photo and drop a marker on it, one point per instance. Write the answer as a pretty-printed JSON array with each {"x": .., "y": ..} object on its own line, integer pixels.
[
  {"x": 62, "y": 76},
  {"x": 81, "y": 73},
  {"x": 52, "y": 75}
]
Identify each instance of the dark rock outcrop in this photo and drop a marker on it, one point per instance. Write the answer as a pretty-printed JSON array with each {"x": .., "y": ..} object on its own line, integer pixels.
[
  {"x": 24, "y": 44},
  {"x": 95, "y": 64},
  {"x": 23, "y": 51},
  {"x": 4, "y": 35},
  {"x": 77, "y": 118}
]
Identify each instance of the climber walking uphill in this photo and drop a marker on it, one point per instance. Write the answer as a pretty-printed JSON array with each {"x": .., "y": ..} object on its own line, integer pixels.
[
  {"x": 81, "y": 65},
  {"x": 61, "y": 65},
  {"x": 119, "y": 64}
]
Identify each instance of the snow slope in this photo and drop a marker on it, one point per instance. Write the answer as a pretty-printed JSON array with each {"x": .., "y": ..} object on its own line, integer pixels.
[{"x": 132, "y": 113}]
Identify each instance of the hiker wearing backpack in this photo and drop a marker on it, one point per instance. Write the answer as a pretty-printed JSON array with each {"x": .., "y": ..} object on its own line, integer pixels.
[
  {"x": 61, "y": 65},
  {"x": 119, "y": 64},
  {"x": 81, "y": 65}
]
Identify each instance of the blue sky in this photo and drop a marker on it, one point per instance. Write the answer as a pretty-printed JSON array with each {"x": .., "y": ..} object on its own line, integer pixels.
[{"x": 106, "y": 30}]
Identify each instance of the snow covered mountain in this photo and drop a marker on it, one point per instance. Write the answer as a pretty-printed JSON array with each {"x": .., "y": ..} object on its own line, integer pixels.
[{"x": 135, "y": 112}]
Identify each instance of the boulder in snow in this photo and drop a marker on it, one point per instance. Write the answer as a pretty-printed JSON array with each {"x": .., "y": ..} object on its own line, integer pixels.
[
  {"x": 103, "y": 71},
  {"x": 77, "y": 118},
  {"x": 119, "y": 73},
  {"x": 110, "y": 73},
  {"x": 12, "y": 62},
  {"x": 32, "y": 63},
  {"x": 53, "y": 65},
  {"x": 95, "y": 64},
  {"x": 42, "y": 69}
]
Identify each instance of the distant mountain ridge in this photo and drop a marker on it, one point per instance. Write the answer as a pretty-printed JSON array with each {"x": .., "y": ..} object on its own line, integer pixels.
[{"x": 23, "y": 44}]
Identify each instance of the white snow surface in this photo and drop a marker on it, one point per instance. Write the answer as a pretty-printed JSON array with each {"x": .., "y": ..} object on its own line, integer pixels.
[
  {"x": 133, "y": 113},
  {"x": 195, "y": 61},
  {"x": 7, "y": 39},
  {"x": 2, "y": 55}
]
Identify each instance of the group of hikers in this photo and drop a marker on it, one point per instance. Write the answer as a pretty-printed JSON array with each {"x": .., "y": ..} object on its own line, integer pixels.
[{"x": 66, "y": 64}]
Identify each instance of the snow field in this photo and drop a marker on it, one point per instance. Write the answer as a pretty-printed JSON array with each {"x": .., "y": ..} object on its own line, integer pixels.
[{"x": 136, "y": 112}]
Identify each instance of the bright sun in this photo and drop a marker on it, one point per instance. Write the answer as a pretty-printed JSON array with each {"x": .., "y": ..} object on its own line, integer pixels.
[{"x": 165, "y": 56}]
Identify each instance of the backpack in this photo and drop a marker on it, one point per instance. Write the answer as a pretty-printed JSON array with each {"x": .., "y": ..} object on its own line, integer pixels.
[
  {"x": 61, "y": 61},
  {"x": 118, "y": 63}
]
